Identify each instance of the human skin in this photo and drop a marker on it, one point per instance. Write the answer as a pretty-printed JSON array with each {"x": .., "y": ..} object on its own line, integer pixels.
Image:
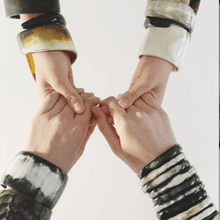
[
  {"x": 151, "y": 74},
  {"x": 138, "y": 134},
  {"x": 57, "y": 133},
  {"x": 53, "y": 72}
]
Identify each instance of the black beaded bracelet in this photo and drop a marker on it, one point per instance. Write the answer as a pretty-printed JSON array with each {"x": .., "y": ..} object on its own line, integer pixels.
[
  {"x": 36, "y": 178},
  {"x": 14, "y": 8},
  {"x": 45, "y": 19}
]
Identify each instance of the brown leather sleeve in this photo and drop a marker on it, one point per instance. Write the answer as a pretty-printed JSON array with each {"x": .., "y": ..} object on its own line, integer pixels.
[
  {"x": 15, "y": 7},
  {"x": 194, "y": 4}
]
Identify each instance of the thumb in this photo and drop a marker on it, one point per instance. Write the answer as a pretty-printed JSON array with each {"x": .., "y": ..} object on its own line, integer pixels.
[
  {"x": 72, "y": 97},
  {"x": 132, "y": 94}
]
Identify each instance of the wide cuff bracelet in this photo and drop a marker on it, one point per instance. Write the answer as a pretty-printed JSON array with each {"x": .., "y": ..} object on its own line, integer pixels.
[
  {"x": 174, "y": 10},
  {"x": 36, "y": 178},
  {"x": 51, "y": 37},
  {"x": 168, "y": 43},
  {"x": 175, "y": 188},
  {"x": 15, "y": 205},
  {"x": 14, "y": 8}
]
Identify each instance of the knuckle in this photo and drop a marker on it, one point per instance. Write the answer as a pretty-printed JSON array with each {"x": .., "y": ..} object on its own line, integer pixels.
[
  {"x": 91, "y": 94},
  {"x": 35, "y": 119},
  {"x": 131, "y": 95},
  {"x": 139, "y": 114},
  {"x": 101, "y": 127},
  {"x": 147, "y": 96},
  {"x": 111, "y": 99},
  {"x": 52, "y": 96},
  {"x": 163, "y": 113}
]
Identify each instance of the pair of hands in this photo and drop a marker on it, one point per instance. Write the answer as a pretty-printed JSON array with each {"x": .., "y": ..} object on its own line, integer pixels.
[
  {"x": 136, "y": 135},
  {"x": 54, "y": 72},
  {"x": 59, "y": 135}
]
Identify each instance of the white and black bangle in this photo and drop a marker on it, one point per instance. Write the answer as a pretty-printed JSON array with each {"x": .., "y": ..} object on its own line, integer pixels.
[
  {"x": 174, "y": 10},
  {"x": 36, "y": 178},
  {"x": 159, "y": 161},
  {"x": 175, "y": 188}
]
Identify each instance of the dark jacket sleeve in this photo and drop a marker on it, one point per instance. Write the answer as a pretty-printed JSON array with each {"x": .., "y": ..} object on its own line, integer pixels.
[{"x": 14, "y": 205}]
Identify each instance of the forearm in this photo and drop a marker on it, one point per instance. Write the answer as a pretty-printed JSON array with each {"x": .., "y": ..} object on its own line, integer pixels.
[{"x": 175, "y": 188}]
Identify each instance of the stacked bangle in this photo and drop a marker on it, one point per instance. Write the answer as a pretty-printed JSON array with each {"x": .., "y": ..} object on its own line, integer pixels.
[
  {"x": 175, "y": 188},
  {"x": 162, "y": 22},
  {"x": 36, "y": 178},
  {"x": 45, "y": 32},
  {"x": 175, "y": 10},
  {"x": 174, "y": 22},
  {"x": 45, "y": 19}
]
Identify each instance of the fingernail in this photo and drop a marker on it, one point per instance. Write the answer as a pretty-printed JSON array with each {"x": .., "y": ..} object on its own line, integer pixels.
[
  {"x": 78, "y": 107},
  {"x": 123, "y": 102},
  {"x": 119, "y": 96}
]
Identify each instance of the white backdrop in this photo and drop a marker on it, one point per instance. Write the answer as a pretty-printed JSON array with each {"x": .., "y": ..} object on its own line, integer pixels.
[{"x": 107, "y": 35}]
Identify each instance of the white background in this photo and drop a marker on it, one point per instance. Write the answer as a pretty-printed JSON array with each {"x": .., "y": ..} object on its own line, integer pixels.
[{"x": 107, "y": 35}]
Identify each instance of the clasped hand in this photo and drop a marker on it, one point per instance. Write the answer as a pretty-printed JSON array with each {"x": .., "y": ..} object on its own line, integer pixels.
[{"x": 136, "y": 135}]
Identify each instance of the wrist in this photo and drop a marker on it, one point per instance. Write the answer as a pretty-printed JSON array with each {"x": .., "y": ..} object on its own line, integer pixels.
[
  {"x": 150, "y": 155},
  {"x": 156, "y": 64},
  {"x": 175, "y": 188},
  {"x": 25, "y": 17},
  {"x": 36, "y": 178}
]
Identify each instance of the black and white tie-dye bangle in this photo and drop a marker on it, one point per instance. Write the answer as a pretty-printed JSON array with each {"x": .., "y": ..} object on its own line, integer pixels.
[
  {"x": 175, "y": 188},
  {"x": 17, "y": 206},
  {"x": 36, "y": 178}
]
